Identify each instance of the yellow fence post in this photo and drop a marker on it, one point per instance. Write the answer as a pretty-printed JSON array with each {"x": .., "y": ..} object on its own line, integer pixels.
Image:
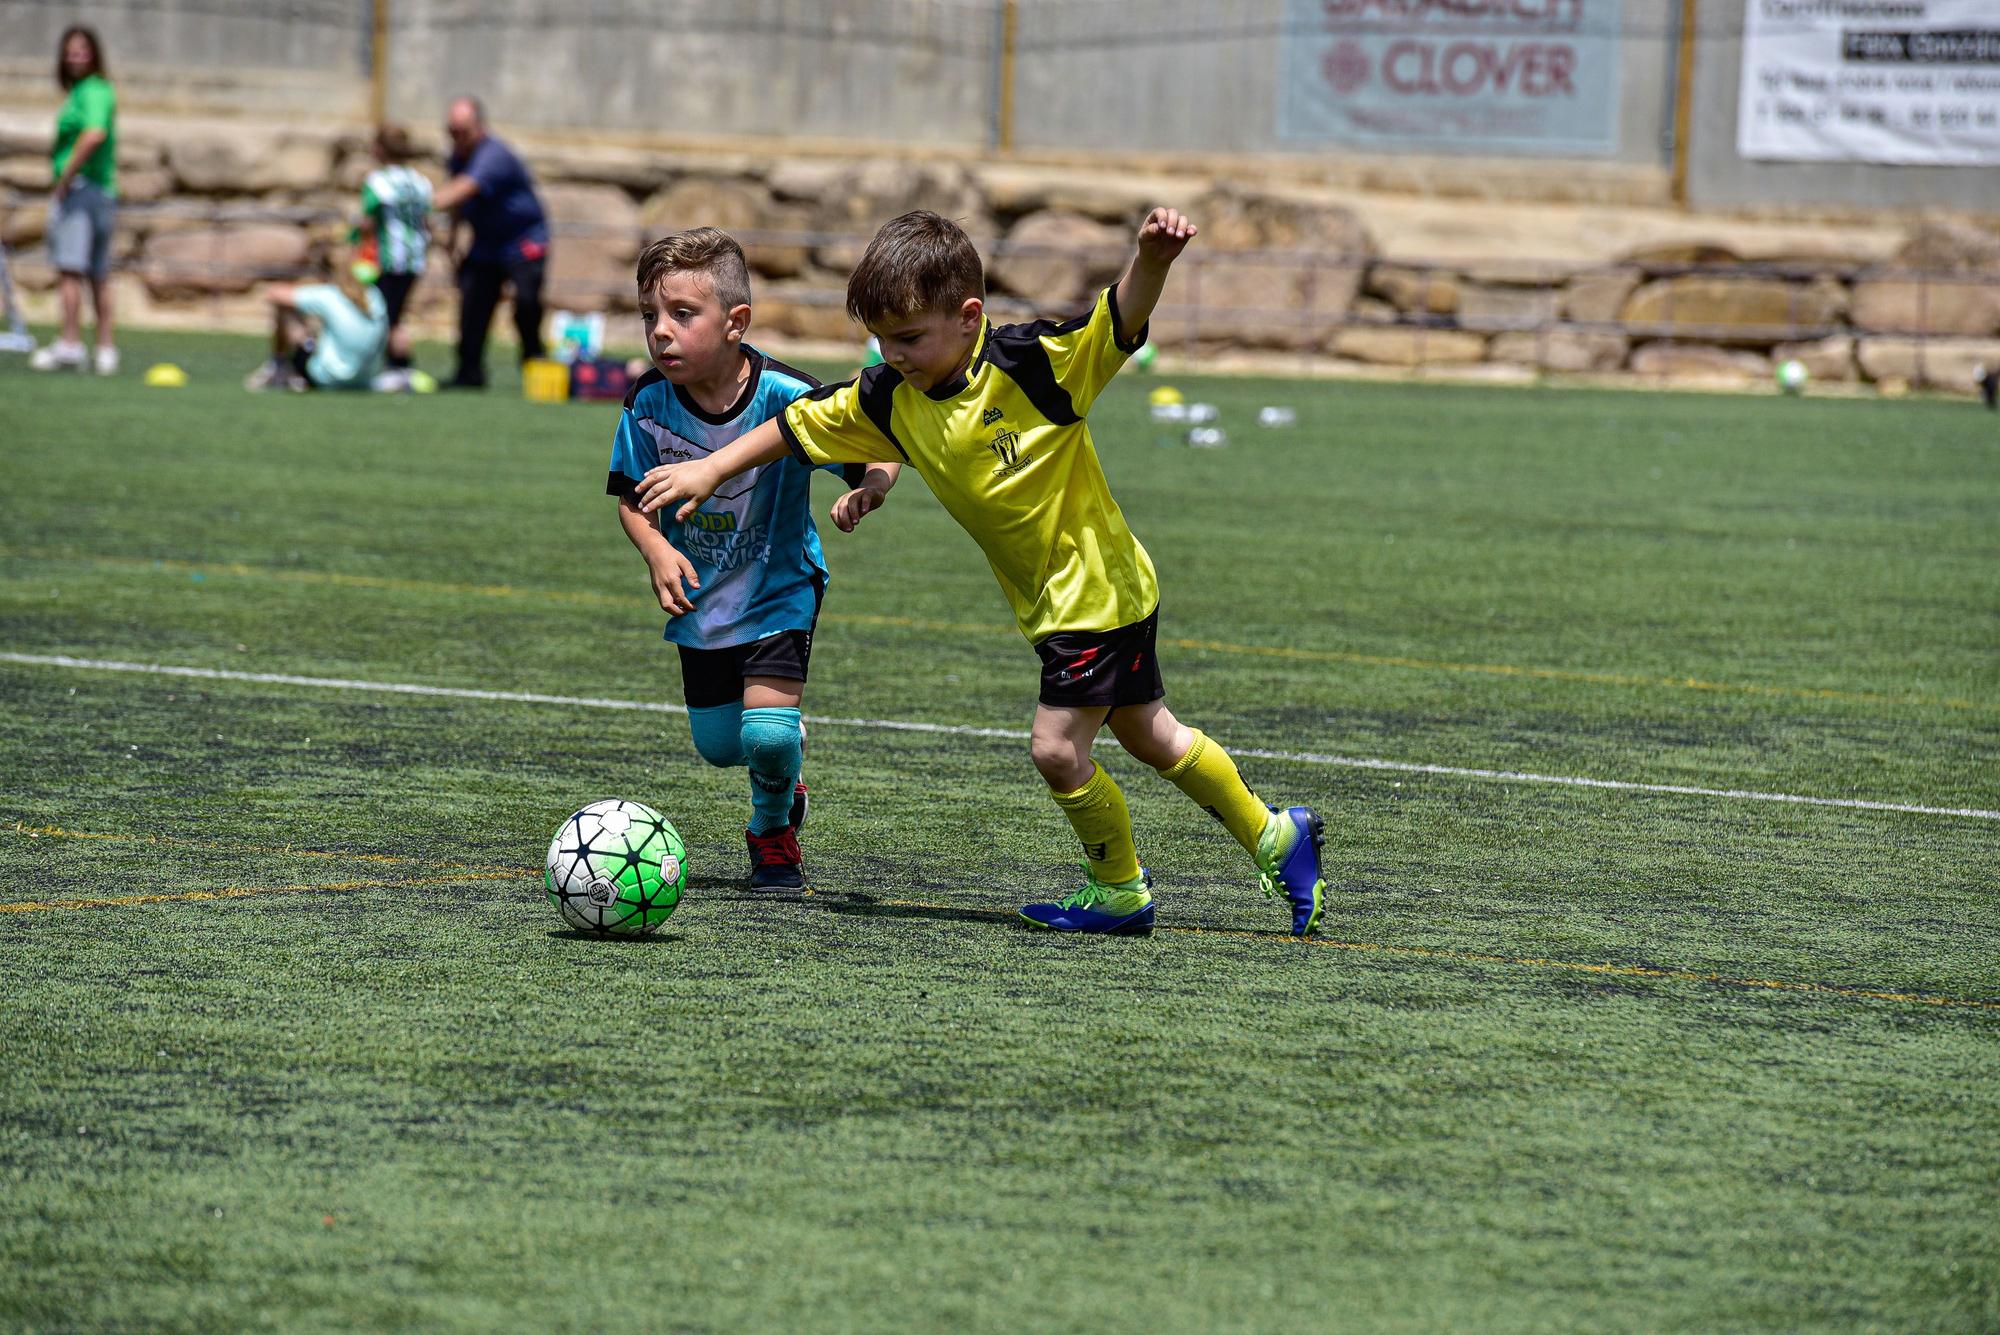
[
  {"x": 1683, "y": 101},
  {"x": 1004, "y": 130},
  {"x": 378, "y": 63}
]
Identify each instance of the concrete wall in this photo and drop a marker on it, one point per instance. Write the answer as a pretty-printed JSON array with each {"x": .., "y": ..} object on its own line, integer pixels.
[
  {"x": 897, "y": 71},
  {"x": 1098, "y": 78},
  {"x": 1718, "y": 177},
  {"x": 299, "y": 58}
]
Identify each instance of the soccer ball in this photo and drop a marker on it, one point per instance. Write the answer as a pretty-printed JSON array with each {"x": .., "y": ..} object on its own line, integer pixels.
[
  {"x": 1791, "y": 375},
  {"x": 616, "y": 868}
]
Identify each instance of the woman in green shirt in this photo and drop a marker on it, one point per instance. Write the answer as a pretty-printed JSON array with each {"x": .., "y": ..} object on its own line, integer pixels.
[{"x": 84, "y": 162}]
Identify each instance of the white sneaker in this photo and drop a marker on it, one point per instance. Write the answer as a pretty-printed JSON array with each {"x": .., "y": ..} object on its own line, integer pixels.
[
  {"x": 58, "y": 356},
  {"x": 11, "y": 341},
  {"x": 106, "y": 360}
]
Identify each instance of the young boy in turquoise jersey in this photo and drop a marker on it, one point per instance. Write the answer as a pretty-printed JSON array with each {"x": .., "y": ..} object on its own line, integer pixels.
[
  {"x": 741, "y": 578},
  {"x": 993, "y": 417}
]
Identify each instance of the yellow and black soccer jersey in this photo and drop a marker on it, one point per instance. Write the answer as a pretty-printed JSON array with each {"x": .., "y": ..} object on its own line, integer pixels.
[{"x": 1006, "y": 449}]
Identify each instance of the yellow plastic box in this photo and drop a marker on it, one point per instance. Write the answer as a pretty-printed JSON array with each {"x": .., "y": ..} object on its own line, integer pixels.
[{"x": 544, "y": 381}]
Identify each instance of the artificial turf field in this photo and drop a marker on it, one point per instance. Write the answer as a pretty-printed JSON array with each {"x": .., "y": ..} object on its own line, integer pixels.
[{"x": 293, "y": 1040}]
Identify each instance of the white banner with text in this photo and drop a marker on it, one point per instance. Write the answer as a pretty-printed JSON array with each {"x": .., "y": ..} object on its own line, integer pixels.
[
  {"x": 1528, "y": 77},
  {"x": 1892, "y": 81}
]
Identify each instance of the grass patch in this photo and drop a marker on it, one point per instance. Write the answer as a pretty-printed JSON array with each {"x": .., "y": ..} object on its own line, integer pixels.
[{"x": 1569, "y": 1058}]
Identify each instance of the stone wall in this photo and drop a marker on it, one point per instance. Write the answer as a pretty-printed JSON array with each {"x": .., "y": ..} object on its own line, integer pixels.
[{"x": 1284, "y": 275}]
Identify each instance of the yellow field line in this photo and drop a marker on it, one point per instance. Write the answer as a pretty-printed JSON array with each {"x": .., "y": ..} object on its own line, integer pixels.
[
  {"x": 248, "y": 891},
  {"x": 1592, "y": 678},
  {"x": 1376, "y": 948},
  {"x": 1617, "y": 970},
  {"x": 563, "y": 597},
  {"x": 1537, "y": 962},
  {"x": 285, "y": 850},
  {"x": 331, "y": 578}
]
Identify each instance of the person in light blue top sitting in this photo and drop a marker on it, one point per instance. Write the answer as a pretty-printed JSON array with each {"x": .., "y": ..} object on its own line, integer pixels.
[
  {"x": 741, "y": 578},
  {"x": 325, "y": 335}
]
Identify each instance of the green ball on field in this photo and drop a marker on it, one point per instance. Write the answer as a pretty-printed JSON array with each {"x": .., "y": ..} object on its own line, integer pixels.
[
  {"x": 616, "y": 868},
  {"x": 1145, "y": 357}
]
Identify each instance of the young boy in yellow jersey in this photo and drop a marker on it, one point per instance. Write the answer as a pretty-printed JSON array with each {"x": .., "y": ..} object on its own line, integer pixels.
[{"x": 993, "y": 417}]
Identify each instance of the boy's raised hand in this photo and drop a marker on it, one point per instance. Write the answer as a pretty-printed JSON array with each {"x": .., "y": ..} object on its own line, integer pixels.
[
  {"x": 673, "y": 577},
  {"x": 1164, "y": 235},
  {"x": 688, "y": 483}
]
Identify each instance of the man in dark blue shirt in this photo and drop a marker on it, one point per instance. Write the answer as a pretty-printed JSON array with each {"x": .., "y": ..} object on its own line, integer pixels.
[{"x": 491, "y": 191}]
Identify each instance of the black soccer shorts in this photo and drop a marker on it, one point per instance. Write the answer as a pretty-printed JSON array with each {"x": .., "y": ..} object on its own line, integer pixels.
[{"x": 1084, "y": 669}]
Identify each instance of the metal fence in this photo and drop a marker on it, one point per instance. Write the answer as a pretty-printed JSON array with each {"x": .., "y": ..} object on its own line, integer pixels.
[
  {"x": 1099, "y": 78},
  {"x": 1647, "y": 107}
]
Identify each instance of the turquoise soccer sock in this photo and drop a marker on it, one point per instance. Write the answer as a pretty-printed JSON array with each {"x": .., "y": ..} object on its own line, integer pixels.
[
  {"x": 772, "y": 744},
  {"x": 718, "y": 734}
]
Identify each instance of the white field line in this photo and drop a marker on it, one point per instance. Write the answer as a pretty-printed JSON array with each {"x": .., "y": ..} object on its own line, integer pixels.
[{"x": 1010, "y": 734}]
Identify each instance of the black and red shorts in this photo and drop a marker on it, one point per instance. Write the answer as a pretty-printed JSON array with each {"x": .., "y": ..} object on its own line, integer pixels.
[{"x": 1085, "y": 669}]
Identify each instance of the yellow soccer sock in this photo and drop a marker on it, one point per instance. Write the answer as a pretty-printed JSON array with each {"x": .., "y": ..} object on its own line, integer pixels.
[
  {"x": 1103, "y": 823},
  {"x": 1208, "y": 775}
]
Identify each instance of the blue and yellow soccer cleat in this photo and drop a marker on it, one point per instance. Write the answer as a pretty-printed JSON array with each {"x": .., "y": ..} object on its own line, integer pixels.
[
  {"x": 1105, "y": 910},
  {"x": 1288, "y": 864}
]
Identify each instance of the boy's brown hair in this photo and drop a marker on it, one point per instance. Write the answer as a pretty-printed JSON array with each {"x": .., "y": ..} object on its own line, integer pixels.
[
  {"x": 919, "y": 262},
  {"x": 703, "y": 250},
  {"x": 393, "y": 143}
]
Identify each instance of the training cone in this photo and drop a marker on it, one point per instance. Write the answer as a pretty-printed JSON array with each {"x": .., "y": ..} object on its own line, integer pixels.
[
  {"x": 165, "y": 375},
  {"x": 1164, "y": 395}
]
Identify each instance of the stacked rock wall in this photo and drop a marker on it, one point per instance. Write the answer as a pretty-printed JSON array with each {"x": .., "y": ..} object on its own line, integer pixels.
[{"x": 1301, "y": 278}]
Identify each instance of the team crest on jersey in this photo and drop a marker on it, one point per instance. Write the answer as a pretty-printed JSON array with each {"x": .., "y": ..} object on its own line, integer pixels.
[{"x": 1006, "y": 447}]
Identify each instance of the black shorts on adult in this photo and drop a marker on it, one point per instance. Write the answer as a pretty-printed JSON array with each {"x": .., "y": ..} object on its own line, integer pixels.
[
  {"x": 1083, "y": 669},
  {"x": 712, "y": 677},
  {"x": 395, "y": 290}
]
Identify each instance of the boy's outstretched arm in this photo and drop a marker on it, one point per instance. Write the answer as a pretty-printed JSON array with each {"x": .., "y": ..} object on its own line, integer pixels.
[
  {"x": 874, "y": 489},
  {"x": 1162, "y": 238},
  {"x": 688, "y": 485}
]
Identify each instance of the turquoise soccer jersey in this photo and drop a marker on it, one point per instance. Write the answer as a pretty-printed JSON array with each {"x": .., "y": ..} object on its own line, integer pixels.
[{"x": 753, "y": 543}]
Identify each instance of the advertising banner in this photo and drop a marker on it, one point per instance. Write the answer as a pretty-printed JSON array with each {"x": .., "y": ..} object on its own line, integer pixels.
[
  {"x": 1894, "y": 81},
  {"x": 1526, "y": 77}
]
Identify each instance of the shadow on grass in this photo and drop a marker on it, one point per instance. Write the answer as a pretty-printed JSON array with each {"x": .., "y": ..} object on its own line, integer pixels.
[
  {"x": 655, "y": 938},
  {"x": 862, "y": 904},
  {"x": 867, "y": 906}
]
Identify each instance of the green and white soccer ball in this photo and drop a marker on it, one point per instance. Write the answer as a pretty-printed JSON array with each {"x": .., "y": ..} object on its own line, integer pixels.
[
  {"x": 1791, "y": 375},
  {"x": 616, "y": 868}
]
